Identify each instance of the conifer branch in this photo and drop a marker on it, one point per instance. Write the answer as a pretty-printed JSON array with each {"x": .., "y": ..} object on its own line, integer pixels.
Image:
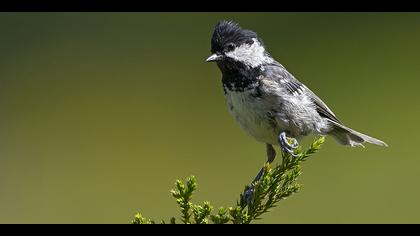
[{"x": 276, "y": 184}]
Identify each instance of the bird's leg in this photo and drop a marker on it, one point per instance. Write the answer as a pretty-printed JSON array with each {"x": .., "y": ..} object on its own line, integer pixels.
[
  {"x": 286, "y": 146},
  {"x": 271, "y": 155}
]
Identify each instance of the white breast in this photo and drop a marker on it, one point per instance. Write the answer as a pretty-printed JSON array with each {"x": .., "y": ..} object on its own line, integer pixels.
[{"x": 252, "y": 114}]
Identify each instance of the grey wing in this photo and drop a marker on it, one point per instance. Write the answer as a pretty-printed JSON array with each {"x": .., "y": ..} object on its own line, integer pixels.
[
  {"x": 322, "y": 108},
  {"x": 296, "y": 88}
]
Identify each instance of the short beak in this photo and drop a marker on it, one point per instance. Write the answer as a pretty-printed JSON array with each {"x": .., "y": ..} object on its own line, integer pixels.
[{"x": 214, "y": 57}]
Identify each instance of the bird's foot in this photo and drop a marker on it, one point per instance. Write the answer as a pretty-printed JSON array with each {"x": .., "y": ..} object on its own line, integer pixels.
[
  {"x": 249, "y": 194},
  {"x": 286, "y": 146}
]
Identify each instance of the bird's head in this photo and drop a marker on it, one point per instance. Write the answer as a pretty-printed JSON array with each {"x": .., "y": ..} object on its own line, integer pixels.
[{"x": 232, "y": 47}]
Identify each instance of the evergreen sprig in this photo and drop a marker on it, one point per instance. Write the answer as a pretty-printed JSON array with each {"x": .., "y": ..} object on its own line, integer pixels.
[
  {"x": 276, "y": 184},
  {"x": 183, "y": 195}
]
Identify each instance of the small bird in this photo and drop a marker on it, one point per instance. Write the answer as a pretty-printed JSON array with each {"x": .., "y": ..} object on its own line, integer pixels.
[{"x": 268, "y": 102}]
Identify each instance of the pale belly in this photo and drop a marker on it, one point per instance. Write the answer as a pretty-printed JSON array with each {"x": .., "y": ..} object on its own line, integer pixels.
[{"x": 253, "y": 115}]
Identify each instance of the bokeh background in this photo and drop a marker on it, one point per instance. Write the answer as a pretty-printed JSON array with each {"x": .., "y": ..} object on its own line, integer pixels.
[{"x": 102, "y": 112}]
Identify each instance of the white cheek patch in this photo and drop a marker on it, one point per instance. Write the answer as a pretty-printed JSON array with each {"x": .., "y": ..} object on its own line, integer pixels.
[{"x": 251, "y": 55}]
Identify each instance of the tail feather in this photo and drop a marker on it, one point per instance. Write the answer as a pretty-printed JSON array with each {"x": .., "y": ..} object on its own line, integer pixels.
[{"x": 347, "y": 136}]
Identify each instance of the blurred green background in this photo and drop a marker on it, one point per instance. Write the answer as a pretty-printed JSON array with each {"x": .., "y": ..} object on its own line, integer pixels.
[{"x": 102, "y": 112}]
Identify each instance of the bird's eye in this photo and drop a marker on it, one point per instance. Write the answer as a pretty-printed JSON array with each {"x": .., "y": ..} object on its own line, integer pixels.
[{"x": 230, "y": 47}]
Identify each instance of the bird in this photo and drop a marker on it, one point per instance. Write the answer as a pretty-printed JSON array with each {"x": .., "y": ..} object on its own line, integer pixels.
[{"x": 267, "y": 101}]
